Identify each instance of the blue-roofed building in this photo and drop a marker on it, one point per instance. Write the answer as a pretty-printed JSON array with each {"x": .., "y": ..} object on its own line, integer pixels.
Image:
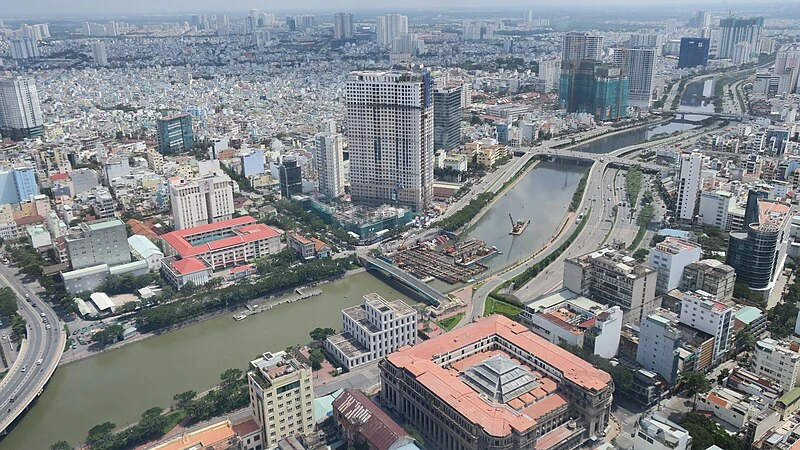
[
  {"x": 750, "y": 319},
  {"x": 145, "y": 250}
]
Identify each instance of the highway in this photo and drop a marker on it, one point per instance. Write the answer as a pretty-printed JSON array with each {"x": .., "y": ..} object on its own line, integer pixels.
[{"x": 41, "y": 344}]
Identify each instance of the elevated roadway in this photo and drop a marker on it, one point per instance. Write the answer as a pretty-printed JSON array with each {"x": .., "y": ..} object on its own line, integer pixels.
[
  {"x": 38, "y": 356},
  {"x": 432, "y": 295}
]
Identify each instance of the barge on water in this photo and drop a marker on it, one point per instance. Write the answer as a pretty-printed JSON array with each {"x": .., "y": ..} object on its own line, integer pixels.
[{"x": 518, "y": 227}]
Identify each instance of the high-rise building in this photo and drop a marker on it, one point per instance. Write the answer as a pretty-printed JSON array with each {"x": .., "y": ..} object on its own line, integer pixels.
[
  {"x": 689, "y": 181},
  {"x": 17, "y": 185},
  {"x": 669, "y": 258},
  {"x": 712, "y": 276},
  {"x": 482, "y": 388},
  {"x": 741, "y": 53},
  {"x": 645, "y": 40},
  {"x": 702, "y": 311},
  {"x": 702, "y": 19},
  {"x": 447, "y": 118},
  {"x": 99, "y": 54},
  {"x": 758, "y": 251},
  {"x": 281, "y": 397},
  {"x": 694, "y": 52},
  {"x": 787, "y": 61},
  {"x": 342, "y": 26},
  {"x": 612, "y": 277},
  {"x": 659, "y": 341},
  {"x": 25, "y": 48},
  {"x": 382, "y": 31},
  {"x": 610, "y": 89},
  {"x": 548, "y": 72},
  {"x": 390, "y": 137},
  {"x": 734, "y": 31},
  {"x": 373, "y": 330},
  {"x": 290, "y": 175},
  {"x": 640, "y": 64},
  {"x": 20, "y": 111},
  {"x": 587, "y": 85},
  {"x": 201, "y": 201},
  {"x": 175, "y": 133},
  {"x": 99, "y": 242},
  {"x": 579, "y": 46},
  {"x": 389, "y": 27},
  {"x": 330, "y": 164}
]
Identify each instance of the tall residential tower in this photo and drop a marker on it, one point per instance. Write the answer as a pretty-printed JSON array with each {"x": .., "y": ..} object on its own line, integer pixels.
[
  {"x": 20, "y": 111},
  {"x": 390, "y": 137},
  {"x": 330, "y": 164}
]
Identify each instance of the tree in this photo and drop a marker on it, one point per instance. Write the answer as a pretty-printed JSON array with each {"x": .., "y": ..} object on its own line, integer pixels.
[
  {"x": 319, "y": 334},
  {"x": 184, "y": 398},
  {"x": 641, "y": 254},
  {"x": 316, "y": 357},
  {"x": 695, "y": 383},
  {"x": 8, "y": 302},
  {"x": 745, "y": 341},
  {"x": 723, "y": 374},
  {"x": 230, "y": 376},
  {"x": 783, "y": 317},
  {"x": 61, "y": 445},
  {"x": 108, "y": 335},
  {"x": 100, "y": 436}
]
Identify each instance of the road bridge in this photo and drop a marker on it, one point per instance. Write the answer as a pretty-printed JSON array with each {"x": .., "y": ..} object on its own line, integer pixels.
[{"x": 430, "y": 294}]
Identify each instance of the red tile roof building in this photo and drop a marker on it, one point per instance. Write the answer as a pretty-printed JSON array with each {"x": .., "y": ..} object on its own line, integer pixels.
[
  {"x": 495, "y": 385},
  {"x": 223, "y": 244}
]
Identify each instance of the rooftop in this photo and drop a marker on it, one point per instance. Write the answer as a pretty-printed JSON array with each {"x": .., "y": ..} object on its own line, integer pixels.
[
  {"x": 230, "y": 232},
  {"x": 495, "y": 418},
  {"x": 375, "y": 425},
  {"x": 189, "y": 265}
]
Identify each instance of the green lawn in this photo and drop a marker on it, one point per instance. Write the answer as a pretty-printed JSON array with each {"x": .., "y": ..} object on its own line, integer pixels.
[
  {"x": 493, "y": 306},
  {"x": 450, "y": 322},
  {"x": 174, "y": 418}
]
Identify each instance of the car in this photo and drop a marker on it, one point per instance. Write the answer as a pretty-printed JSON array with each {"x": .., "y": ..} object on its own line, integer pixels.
[
  {"x": 11, "y": 399},
  {"x": 24, "y": 368},
  {"x": 44, "y": 320},
  {"x": 41, "y": 314},
  {"x": 34, "y": 305},
  {"x": 39, "y": 362},
  {"x": 609, "y": 199},
  {"x": 47, "y": 327},
  {"x": 74, "y": 346}
]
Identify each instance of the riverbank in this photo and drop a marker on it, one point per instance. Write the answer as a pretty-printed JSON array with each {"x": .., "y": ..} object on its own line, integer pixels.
[
  {"x": 139, "y": 337},
  {"x": 614, "y": 131}
]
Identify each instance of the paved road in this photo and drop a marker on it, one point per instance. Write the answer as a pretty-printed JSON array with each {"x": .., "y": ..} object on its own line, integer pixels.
[
  {"x": 362, "y": 378},
  {"x": 47, "y": 345}
]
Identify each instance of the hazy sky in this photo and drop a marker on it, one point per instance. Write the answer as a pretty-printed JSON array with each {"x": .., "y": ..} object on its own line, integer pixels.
[{"x": 33, "y": 8}]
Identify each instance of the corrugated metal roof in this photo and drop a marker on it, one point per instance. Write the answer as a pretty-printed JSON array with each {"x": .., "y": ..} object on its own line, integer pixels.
[{"x": 374, "y": 424}]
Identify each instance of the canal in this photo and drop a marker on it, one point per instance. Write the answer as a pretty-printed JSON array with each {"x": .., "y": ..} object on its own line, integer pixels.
[
  {"x": 541, "y": 197},
  {"x": 698, "y": 96},
  {"x": 117, "y": 386},
  {"x": 631, "y": 137}
]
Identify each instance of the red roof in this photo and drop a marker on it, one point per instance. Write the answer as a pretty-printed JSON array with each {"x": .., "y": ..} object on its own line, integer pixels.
[
  {"x": 59, "y": 176},
  {"x": 246, "y": 227},
  {"x": 189, "y": 265},
  {"x": 244, "y": 268},
  {"x": 29, "y": 220},
  {"x": 375, "y": 425}
]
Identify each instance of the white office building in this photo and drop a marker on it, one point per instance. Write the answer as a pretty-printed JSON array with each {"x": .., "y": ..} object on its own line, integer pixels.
[
  {"x": 372, "y": 331},
  {"x": 688, "y": 183},
  {"x": 669, "y": 258},
  {"x": 330, "y": 164},
  {"x": 656, "y": 432},
  {"x": 565, "y": 317},
  {"x": 99, "y": 242},
  {"x": 714, "y": 207},
  {"x": 201, "y": 201},
  {"x": 700, "y": 310},
  {"x": 659, "y": 339},
  {"x": 390, "y": 138},
  {"x": 20, "y": 111},
  {"x": 777, "y": 362}
]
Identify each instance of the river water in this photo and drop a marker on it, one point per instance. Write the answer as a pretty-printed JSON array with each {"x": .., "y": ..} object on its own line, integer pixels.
[
  {"x": 698, "y": 96},
  {"x": 631, "y": 137},
  {"x": 119, "y": 385}
]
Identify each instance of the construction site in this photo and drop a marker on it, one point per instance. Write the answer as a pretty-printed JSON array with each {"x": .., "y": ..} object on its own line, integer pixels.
[{"x": 454, "y": 263}]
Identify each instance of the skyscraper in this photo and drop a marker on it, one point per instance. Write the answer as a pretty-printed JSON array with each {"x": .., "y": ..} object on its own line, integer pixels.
[
  {"x": 787, "y": 61},
  {"x": 694, "y": 52},
  {"x": 447, "y": 117},
  {"x": 578, "y": 46},
  {"x": 610, "y": 89},
  {"x": 641, "y": 40},
  {"x": 382, "y": 31},
  {"x": 701, "y": 19},
  {"x": 99, "y": 54},
  {"x": 390, "y": 137},
  {"x": 640, "y": 64},
  {"x": 290, "y": 175},
  {"x": 735, "y": 31},
  {"x": 175, "y": 133},
  {"x": 588, "y": 85},
  {"x": 20, "y": 111},
  {"x": 389, "y": 27},
  {"x": 201, "y": 201},
  {"x": 689, "y": 186},
  {"x": 330, "y": 164},
  {"x": 342, "y": 26},
  {"x": 24, "y": 48}
]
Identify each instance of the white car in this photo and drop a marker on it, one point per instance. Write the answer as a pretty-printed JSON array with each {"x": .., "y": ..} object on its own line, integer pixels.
[
  {"x": 39, "y": 362},
  {"x": 41, "y": 314},
  {"x": 24, "y": 368}
]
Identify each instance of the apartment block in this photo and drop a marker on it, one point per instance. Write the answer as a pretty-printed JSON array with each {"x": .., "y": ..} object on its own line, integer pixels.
[
  {"x": 201, "y": 201},
  {"x": 777, "y": 362},
  {"x": 702, "y": 311},
  {"x": 611, "y": 277},
  {"x": 714, "y": 207},
  {"x": 669, "y": 258},
  {"x": 372, "y": 331},
  {"x": 390, "y": 137},
  {"x": 495, "y": 385},
  {"x": 656, "y": 432},
  {"x": 281, "y": 397},
  {"x": 565, "y": 317},
  {"x": 330, "y": 164},
  {"x": 712, "y": 276},
  {"x": 100, "y": 242},
  {"x": 688, "y": 183}
]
